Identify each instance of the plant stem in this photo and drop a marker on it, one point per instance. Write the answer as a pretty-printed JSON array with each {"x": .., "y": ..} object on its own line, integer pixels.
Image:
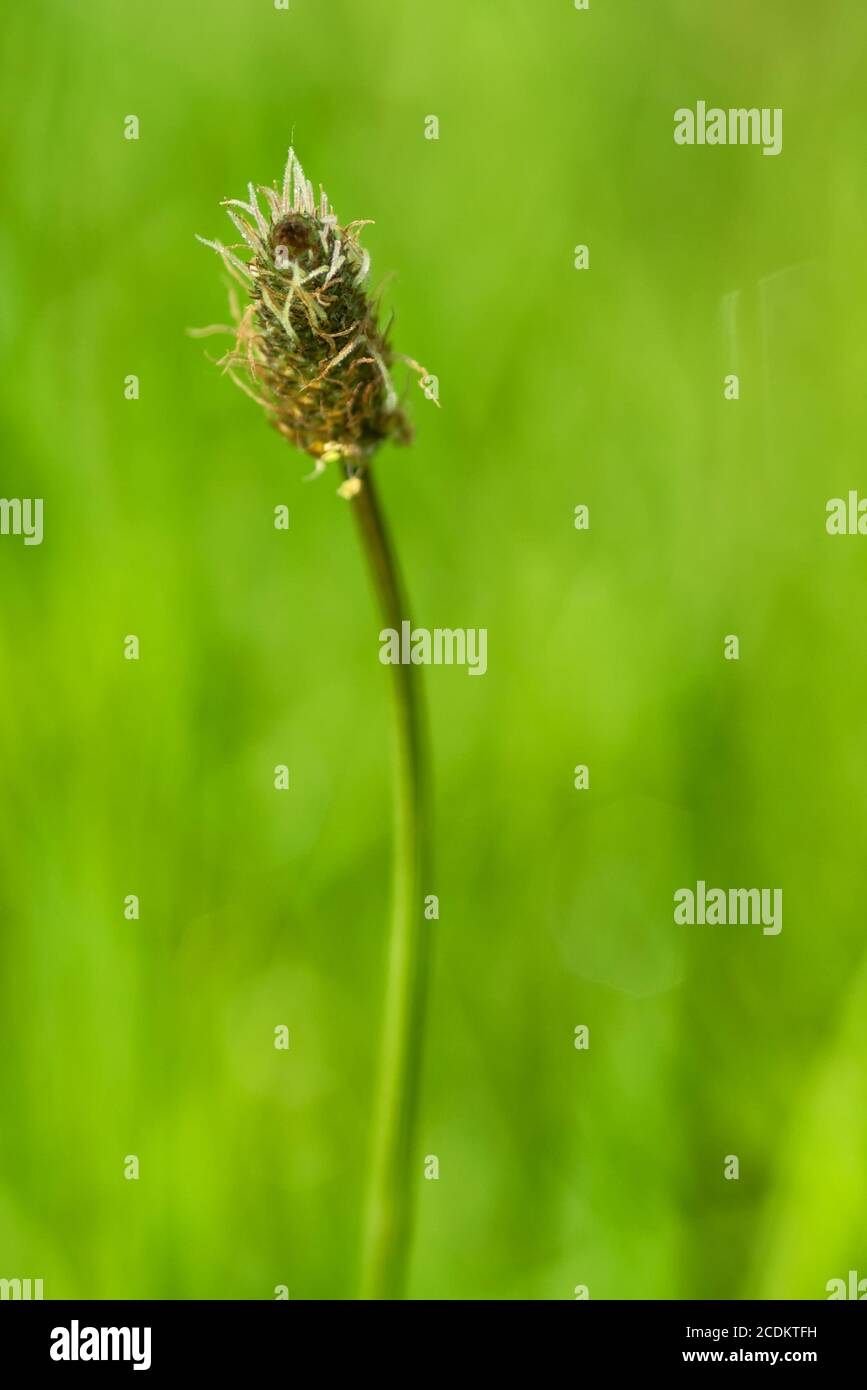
[{"x": 390, "y": 1197}]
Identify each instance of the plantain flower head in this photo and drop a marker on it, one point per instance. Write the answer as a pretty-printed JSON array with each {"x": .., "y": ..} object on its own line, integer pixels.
[{"x": 308, "y": 339}]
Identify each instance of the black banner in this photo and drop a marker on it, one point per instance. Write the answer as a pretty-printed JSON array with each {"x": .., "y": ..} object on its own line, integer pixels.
[{"x": 215, "y": 1339}]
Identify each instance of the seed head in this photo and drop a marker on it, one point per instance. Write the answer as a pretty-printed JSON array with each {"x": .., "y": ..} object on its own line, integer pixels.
[{"x": 308, "y": 338}]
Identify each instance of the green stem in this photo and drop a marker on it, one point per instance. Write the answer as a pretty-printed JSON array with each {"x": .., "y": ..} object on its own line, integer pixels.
[{"x": 395, "y": 1169}]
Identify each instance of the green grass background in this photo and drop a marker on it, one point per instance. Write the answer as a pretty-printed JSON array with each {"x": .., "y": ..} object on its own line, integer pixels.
[{"x": 259, "y": 647}]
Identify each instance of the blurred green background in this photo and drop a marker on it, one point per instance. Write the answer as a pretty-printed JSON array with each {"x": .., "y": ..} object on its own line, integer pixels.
[{"x": 259, "y": 647}]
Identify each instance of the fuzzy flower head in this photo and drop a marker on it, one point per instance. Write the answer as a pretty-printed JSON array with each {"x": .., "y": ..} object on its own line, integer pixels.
[{"x": 308, "y": 338}]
